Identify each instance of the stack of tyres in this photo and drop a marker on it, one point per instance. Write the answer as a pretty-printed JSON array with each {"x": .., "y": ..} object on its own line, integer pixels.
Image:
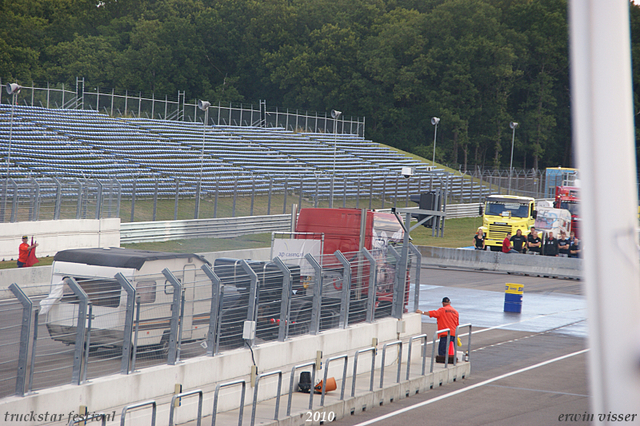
[{"x": 513, "y": 298}]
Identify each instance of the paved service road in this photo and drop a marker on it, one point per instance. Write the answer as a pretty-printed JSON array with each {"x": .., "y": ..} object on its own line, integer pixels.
[{"x": 526, "y": 369}]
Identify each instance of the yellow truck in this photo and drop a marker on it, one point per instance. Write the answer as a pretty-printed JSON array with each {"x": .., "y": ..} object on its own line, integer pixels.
[{"x": 506, "y": 213}]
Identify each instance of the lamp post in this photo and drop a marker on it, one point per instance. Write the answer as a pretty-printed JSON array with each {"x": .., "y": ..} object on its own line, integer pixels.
[
  {"x": 204, "y": 106},
  {"x": 513, "y": 126},
  {"x": 434, "y": 122},
  {"x": 335, "y": 115},
  {"x": 12, "y": 89}
]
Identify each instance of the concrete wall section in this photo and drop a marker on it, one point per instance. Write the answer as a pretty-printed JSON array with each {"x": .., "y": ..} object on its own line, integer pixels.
[
  {"x": 35, "y": 280},
  {"x": 563, "y": 267},
  {"x": 114, "y": 392},
  {"x": 55, "y": 235}
]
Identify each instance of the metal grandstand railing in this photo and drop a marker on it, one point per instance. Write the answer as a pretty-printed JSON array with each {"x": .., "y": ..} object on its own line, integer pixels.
[{"x": 131, "y": 104}]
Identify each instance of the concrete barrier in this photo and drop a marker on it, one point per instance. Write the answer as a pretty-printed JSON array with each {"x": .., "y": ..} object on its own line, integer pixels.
[
  {"x": 55, "y": 235},
  {"x": 35, "y": 281},
  {"x": 561, "y": 267}
]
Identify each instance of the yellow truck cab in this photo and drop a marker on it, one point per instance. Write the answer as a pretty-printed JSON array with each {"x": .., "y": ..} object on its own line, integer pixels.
[{"x": 506, "y": 213}]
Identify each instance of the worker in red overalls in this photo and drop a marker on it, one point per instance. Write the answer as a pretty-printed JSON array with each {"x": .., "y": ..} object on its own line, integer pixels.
[{"x": 447, "y": 317}]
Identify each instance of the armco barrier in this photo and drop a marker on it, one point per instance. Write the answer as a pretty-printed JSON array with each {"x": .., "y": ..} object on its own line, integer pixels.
[
  {"x": 560, "y": 267},
  {"x": 227, "y": 227}
]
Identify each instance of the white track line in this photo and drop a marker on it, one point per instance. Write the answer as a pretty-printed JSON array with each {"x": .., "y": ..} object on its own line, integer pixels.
[{"x": 477, "y": 385}]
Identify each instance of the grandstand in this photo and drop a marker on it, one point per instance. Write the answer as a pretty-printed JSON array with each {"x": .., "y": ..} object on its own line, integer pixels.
[{"x": 146, "y": 154}]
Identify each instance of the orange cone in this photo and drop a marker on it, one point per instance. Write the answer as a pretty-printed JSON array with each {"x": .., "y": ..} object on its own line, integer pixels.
[{"x": 451, "y": 349}]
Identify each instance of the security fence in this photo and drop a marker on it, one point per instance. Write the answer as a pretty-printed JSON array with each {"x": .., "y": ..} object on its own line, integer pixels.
[
  {"x": 151, "y": 198},
  {"x": 92, "y": 327}
]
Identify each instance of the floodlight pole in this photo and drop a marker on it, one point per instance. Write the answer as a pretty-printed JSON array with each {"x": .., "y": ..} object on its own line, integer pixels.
[
  {"x": 12, "y": 89},
  {"x": 513, "y": 126},
  {"x": 335, "y": 115},
  {"x": 434, "y": 122}
]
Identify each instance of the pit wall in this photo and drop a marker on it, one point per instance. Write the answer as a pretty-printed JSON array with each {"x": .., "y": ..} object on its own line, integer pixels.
[
  {"x": 561, "y": 267},
  {"x": 112, "y": 393}
]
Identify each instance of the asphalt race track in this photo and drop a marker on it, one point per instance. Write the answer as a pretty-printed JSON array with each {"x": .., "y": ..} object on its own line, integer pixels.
[{"x": 527, "y": 369}]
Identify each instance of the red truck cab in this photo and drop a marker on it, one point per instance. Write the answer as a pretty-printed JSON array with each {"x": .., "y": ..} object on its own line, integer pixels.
[
  {"x": 568, "y": 197},
  {"x": 341, "y": 229}
]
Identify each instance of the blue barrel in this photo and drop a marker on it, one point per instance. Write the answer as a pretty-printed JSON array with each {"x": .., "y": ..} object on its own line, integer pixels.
[{"x": 513, "y": 298}]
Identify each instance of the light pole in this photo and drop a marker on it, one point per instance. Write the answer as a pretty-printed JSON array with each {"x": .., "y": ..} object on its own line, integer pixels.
[
  {"x": 204, "y": 106},
  {"x": 513, "y": 126},
  {"x": 12, "y": 89},
  {"x": 434, "y": 121},
  {"x": 335, "y": 115}
]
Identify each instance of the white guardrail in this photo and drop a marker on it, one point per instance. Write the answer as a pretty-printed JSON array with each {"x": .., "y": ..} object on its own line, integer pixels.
[{"x": 227, "y": 227}]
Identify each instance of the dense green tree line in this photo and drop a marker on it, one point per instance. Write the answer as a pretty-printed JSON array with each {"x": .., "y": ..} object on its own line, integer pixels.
[{"x": 476, "y": 64}]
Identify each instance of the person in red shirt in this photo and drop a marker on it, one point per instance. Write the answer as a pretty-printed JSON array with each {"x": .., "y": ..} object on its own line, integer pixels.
[
  {"x": 447, "y": 317},
  {"x": 506, "y": 244},
  {"x": 23, "y": 251}
]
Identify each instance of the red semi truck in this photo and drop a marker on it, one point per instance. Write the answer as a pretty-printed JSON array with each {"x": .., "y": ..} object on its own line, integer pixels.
[
  {"x": 342, "y": 229},
  {"x": 568, "y": 197}
]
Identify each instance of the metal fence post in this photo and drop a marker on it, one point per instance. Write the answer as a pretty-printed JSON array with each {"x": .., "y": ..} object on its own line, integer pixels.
[
  {"x": 14, "y": 202},
  {"x": 300, "y": 194},
  {"x": 215, "y": 199},
  {"x": 128, "y": 322},
  {"x": 175, "y": 207},
  {"x": 396, "y": 284},
  {"x": 269, "y": 201},
  {"x": 155, "y": 200},
  {"x": 25, "y": 330},
  {"x": 253, "y": 293},
  {"x": 35, "y": 203},
  {"x": 314, "y": 327},
  {"x": 346, "y": 289},
  {"x": 98, "y": 199},
  {"x": 344, "y": 192},
  {"x": 80, "y": 329},
  {"x": 33, "y": 349},
  {"x": 416, "y": 284},
  {"x": 56, "y": 209},
  {"x": 133, "y": 198},
  {"x": 284, "y": 204},
  {"x": 373, "y": 278},
  {"x": 216, "y": 303},
  {"x": 253, "y": 196},
  {"x": 235, "y": 197},
  {"x": 175, "y": 314},
  {"x": 285, "y": 304}
]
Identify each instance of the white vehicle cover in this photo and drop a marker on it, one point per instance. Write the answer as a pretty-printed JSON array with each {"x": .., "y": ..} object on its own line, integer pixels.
[
  {"x": 554, "y": 220},
  {"x": 54, "y": 296}
]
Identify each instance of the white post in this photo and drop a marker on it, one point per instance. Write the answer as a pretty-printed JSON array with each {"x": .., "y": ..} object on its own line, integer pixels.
[{"x": 603, "y": 131}]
